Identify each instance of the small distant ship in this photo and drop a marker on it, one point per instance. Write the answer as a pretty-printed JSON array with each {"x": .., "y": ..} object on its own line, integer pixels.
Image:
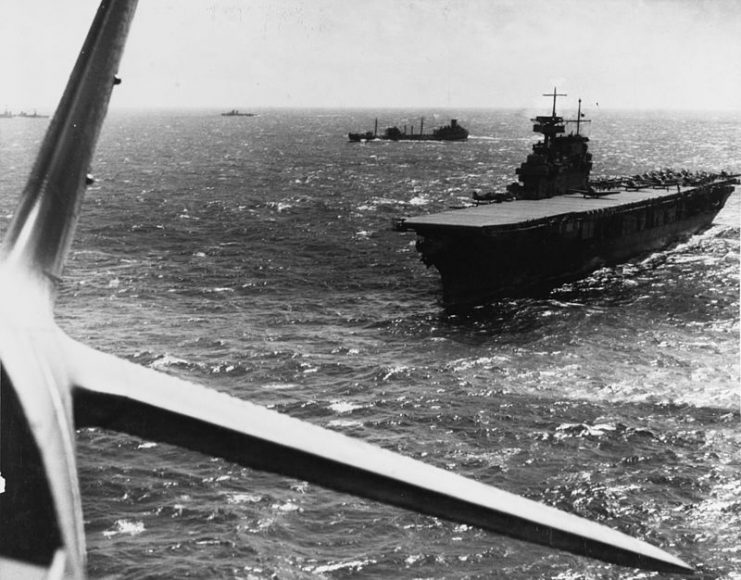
[
  {"x": 452, "y": 132},
  {"x": 236, "y": 113},
  {"x": 33, "y": 115},
  {"x": 7, "y": 114},
  {"x": 558, "y": 226}
]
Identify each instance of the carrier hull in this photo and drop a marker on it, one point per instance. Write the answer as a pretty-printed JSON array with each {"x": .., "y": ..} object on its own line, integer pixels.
[{"x": 482, "y": 260}]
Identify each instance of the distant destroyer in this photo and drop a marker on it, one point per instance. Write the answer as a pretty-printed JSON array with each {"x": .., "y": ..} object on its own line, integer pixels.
[
  {"x": 560, "y": 226},
  {"x": 237, "y": 113}
]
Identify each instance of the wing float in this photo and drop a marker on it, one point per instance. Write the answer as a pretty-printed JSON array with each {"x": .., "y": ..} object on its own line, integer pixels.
[{"x": 50, "y": 385}]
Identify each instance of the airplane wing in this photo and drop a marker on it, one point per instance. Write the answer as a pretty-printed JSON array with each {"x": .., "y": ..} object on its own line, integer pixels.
[{"x": 116, "y": 394}]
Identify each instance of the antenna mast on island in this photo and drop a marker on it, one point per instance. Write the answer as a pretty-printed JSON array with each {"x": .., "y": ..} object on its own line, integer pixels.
[
  {"x": 550, "y": 126},
  {"x": 554, "y": 94},
  {"x": 579, "y": 120}
]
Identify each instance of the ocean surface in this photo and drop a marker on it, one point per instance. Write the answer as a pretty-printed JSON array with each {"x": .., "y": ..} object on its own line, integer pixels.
[{"x": 256, "y": 255}]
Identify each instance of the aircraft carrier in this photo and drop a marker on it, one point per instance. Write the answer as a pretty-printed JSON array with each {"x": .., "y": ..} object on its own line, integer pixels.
[{"x": 555, "y": 225}]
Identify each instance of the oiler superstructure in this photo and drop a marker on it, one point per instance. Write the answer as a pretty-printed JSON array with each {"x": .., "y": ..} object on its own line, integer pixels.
[{"x": 558, "y": 225}]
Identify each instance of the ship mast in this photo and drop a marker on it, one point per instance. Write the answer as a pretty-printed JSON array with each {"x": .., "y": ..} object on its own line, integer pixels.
[
  {"x": 549, "y": 126},
  {"x": 579, "y": 120},
  {"x": 554, "y": 94}
]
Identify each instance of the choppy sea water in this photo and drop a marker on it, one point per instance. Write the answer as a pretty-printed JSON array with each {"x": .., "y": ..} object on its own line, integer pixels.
[{"x": 255, "y": 255}]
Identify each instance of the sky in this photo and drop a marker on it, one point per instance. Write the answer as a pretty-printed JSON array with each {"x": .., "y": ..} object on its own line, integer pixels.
[{"x": 622, "y": 54}]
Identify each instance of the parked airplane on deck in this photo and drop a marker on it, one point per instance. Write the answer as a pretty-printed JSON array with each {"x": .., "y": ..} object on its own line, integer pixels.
[{"x": 51, "y": 385}]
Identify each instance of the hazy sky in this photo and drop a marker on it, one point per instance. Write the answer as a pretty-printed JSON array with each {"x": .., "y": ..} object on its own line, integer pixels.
[{"x": 669, "y": 54}]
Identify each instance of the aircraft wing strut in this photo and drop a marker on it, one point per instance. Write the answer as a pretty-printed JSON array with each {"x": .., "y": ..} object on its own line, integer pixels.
[{"x": 122, "y": 396}]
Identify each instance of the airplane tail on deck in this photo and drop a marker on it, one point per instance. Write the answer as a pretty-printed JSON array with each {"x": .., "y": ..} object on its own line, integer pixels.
[{"x": 51, "y": 385}]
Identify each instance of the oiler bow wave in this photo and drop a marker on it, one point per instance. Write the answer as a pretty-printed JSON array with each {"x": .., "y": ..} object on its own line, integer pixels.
[{"x": 51, "y": 385}]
